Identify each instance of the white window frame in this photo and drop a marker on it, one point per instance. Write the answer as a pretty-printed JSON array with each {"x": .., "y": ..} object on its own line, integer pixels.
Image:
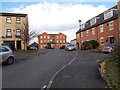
[
  {"x": 111, "y": 25},
  {"x": 93, "y": 31},
  {"x": 101, "y": 40},
  {"x": 18, "y": 20},
  {"x": 8, "y": 32},
  {"x": 18, "y": 32},
  {"x": 8, "y": 19},
  {"x": 83, "y": 26},
  {"x": 44, "y": 37},
  {"x": 93, "y": 21},
  {"x": 101, "y": 28},
  {"x": 60, "y": 41},
  {"x": 40, "y": 41},
  {"x": 57, "y": 41},
  {"x": 48, "y": 37},
  {"x": 108, "y": 14}
]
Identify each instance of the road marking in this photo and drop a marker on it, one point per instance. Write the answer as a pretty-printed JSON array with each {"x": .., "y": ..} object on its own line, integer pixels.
[
  {"x": 44, "y": 87},
  {"x": 51, "y": 80}
]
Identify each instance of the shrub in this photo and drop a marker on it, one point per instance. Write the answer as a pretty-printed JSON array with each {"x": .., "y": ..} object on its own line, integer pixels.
[
  {"x": 90, "y": 45},
  {"x": 63, "y": 47}
]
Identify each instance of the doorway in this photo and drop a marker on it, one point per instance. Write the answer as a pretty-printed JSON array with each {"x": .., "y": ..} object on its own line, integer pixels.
[
  {"x": 112, "y": 40},
  {"x": 18, "y": 45}
]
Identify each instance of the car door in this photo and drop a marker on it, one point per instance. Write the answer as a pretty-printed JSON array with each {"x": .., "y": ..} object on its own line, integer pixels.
[{"x": 5, "y": 53}]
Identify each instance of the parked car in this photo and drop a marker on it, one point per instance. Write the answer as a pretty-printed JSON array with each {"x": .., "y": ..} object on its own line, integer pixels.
[
  {"x": 70, "y": 47},
  {"x": 33, "y": 48},
  {"x": 7, "y": 55},
  {"x": 109, "y": 48}
]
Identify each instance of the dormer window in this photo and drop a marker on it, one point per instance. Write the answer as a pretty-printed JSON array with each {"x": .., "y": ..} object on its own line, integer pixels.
[
  {"x": 93, "y": 21},
  {"x": 83, "y": 26},
  {"x": 108, "y": 14}
]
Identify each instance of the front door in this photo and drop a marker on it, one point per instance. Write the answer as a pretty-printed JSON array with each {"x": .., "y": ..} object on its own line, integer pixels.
[
  {"x": 18, "y": 45},
  {"x": 112, "y": 39}
]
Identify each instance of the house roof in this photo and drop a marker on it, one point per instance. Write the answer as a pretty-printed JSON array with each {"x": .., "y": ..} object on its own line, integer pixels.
[
  {"x": 100, "y": 19},
  {"x": 52, "y": 34},
  {"x": 12, "y": 14}
]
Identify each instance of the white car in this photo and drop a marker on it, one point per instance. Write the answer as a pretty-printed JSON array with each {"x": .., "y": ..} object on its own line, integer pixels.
[
  {"x": 6, "y": 54},
  {"x": 70, "y": 47}
]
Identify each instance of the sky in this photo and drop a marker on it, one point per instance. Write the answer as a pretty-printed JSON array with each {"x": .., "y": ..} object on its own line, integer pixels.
[{"x": 54, "y": 16}]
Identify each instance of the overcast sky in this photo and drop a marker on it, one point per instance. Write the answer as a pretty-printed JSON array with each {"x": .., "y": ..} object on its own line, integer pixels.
[{"x": 55, "y": 17}]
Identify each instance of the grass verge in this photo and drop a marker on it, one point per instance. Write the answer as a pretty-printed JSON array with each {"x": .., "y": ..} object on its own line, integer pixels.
[
  {"x": 110, "y": 70},
  {"x": 26, "y": 51}
]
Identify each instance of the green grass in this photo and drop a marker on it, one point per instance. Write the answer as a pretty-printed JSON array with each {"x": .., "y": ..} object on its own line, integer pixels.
[
  {"x": 112, "y": 70},
  {"x": 26, "y": 51}
]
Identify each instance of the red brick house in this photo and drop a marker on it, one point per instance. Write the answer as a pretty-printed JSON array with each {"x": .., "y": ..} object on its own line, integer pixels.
[
  {"x": 54, "y": 40},
  {"x": 102, "y": 28}
]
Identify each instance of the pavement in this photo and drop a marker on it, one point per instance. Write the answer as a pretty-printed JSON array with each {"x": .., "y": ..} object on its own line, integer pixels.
[
  {"x": 24, "y": 56},
  {"x": 82, "y": 73}
]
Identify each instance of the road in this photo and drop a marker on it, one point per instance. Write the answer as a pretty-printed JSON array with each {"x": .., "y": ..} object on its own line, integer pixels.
[{"x": 37, "y": 71}]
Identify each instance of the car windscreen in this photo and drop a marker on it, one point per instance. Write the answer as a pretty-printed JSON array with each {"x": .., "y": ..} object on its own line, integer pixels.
[{"x": 70, "y": 45}]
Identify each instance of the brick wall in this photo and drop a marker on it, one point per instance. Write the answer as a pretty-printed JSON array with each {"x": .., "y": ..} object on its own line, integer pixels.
[{"x": 56, "y": 40}]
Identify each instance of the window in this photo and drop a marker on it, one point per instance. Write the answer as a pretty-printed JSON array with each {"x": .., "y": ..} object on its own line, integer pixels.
[
  {"x": 48, "y": 37},
  {"x": 44, "y": 41},
  {"x": 81, "y": 34},
  {"x": 17, "y": 19},
  {"x": 4, "y": 49},
  {"x": 60, "y": 41},
  {"x": 18, "y": 33},
  {"x": 9, "y": 33},
  {"x": 83, "y": 26},
  {"x": 52, "y": 38},
  {"x": 40, "y": 37},
  {"x": 93, "y": 31},
  {"x": 8, "y": 20},
  {"x": 57, "y": 41},
  {"x": 87, "y": 32},
  {"x": 64, "y": 41},
  {"x": 102, "y": 40},
  {"x": 41, "y": 41},
  {"x": 61, "y": 37},
  {"x": 101, "y": 29},
  {"x": 57, "y": 37},
  {"x": 93, "y": 21},
  {"x": 44, "y": 37},
  {"x": 108, "y": 14},
  {"x": 111, "y": 25}
]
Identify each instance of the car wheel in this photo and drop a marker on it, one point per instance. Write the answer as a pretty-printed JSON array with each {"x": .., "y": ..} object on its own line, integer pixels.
[{"x": 10, "y": 61}]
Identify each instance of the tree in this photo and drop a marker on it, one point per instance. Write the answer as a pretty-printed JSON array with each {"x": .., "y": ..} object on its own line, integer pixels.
[{"x": 26, "y": 32}]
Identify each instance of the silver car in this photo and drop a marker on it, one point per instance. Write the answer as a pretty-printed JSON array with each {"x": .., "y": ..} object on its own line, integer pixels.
[
  {"x": 108, "y": 48},
  {"x": 6, "y": 54},
  {"x": 70, "y": 47}
]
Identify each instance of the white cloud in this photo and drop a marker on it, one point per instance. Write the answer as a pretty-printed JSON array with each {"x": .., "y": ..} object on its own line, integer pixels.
[{"x": 55, "y": 17}]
